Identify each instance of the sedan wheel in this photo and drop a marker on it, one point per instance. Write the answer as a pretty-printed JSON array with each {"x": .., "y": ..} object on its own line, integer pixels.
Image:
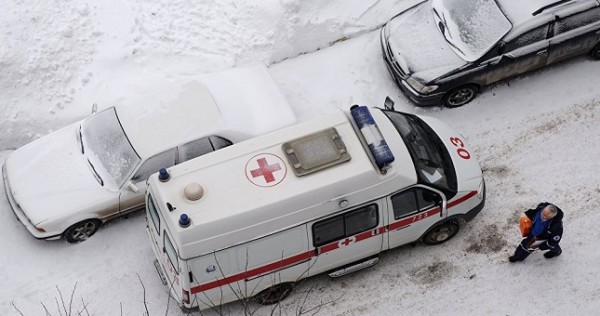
[
  {"x": 82, "y": 230},
  {"x": 596, "y": 52},
  {"x": 460, "y": 96}
]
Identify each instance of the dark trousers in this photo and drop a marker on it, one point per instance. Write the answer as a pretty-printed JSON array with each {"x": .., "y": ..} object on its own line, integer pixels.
[{"x": 523, "y": 249}]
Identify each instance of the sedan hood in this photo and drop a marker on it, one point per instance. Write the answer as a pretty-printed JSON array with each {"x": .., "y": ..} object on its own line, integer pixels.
[
  {"x": 50, "y": 177},
  {"x": 418, "y": 46}
]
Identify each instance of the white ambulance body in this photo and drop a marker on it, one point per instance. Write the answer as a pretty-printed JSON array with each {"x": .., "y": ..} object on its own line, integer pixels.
[{"x": 326, "y": 195}]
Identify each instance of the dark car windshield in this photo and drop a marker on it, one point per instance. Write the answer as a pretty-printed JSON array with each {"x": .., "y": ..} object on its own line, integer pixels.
[
  {"x": 104, "y": 138},
  {"x": 431, "y": 159}
]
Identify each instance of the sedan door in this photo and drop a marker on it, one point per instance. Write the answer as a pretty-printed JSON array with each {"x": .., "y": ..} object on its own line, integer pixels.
[
  {"x": 522, "y": 54},
  {"x": 131, "y": 200},
  {"x": 575, "y": 35}
]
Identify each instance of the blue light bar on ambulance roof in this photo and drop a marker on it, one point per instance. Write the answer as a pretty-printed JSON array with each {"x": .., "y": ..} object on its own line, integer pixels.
[{"x": 377, "y": 145}]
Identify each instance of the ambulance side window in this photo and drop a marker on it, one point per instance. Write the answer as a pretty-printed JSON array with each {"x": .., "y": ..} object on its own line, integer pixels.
[
  {"x": 345, "y": 225},
  {"x": 413, "y": 201},
  {"x": 153, "y": 214},
  {"x": 171, "y": 253}
]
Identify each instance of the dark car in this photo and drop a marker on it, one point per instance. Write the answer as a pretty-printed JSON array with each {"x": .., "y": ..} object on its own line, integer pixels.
[{"x": 445, "y": 51}]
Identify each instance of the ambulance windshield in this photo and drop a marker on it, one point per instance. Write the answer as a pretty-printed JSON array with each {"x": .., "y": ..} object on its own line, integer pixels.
[{"x": 432, "y": 161}]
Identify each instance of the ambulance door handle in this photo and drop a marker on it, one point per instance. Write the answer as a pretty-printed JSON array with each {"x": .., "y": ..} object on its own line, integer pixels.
[
  {"x": 401, "y": 228},
  {"x": 317, "y": 251}
]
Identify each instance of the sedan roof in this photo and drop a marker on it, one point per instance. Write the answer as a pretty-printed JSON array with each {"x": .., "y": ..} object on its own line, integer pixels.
[{"x": 237, "y": 104}]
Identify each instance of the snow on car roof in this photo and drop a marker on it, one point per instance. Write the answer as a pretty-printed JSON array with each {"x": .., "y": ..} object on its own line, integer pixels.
[
  {"x": 522, "y": 18},
  {"x": 237, "y": 104},
  {"x": 520, "y": 11}
]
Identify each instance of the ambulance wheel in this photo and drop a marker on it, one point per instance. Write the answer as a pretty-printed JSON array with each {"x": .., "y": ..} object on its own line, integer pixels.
[
  {"x": 82, "y": 231},
  {"x": 441, "y": 233},
  {"x": 274, "y": 294}
]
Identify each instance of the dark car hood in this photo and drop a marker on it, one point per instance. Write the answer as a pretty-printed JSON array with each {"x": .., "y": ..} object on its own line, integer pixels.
[{"x": 418, "y": 46}]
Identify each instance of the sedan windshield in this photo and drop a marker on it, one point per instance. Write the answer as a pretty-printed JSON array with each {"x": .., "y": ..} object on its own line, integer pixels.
[
  {"x": 104, "y": 139},
  {"x": 430, "y": 157},
  {"x": 471, "y": 27}
]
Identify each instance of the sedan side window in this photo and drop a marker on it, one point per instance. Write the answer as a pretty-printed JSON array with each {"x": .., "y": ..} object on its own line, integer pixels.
[
  {"x": 577, "y": 20},
  {"x": 413, "y": 201},
  {"x": 527, "y": 38},
  {"x": 153, "y": 164},
  {"x": 201, "y": 146},
  {"x": 219, "y": 142}
]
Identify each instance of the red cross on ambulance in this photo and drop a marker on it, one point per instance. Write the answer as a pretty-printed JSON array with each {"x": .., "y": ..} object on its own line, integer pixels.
[
  {"x": 265, "y": 170},
  {"x": 346, "y": 241}
]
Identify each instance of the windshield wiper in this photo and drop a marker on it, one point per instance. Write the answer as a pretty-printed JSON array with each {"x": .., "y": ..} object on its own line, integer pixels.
[
  {"x": 443, "y": 26},
  {"x": 81, "y": 140},
  {"x": 96, "y": 175}
]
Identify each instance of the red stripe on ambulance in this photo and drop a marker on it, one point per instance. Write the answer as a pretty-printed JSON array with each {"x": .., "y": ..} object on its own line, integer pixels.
[
  {"x": 254, "y": 272},
  {"x": 290, "y": 261}
]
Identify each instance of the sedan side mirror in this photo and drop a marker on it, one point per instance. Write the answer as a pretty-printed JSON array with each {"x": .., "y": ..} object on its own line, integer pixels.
[
  {"x": 496, "y": 60},
  {"x": 388, "y": 103},
  {"x": 132, "y": 187}
]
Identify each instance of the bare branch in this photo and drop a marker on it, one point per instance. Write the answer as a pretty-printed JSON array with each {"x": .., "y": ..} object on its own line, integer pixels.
[
  {"x": 15, "y": 307},
  {"x": 46, "y": 309},
  {"x": 71, "y": 299},
  {"x": 144, "y": 295}
]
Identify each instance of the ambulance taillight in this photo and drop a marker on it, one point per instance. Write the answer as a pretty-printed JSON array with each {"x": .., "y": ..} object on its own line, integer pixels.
[{"x": 185, "y": 296}]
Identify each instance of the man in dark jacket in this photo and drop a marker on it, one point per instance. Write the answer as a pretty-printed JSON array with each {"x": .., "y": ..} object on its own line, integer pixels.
[{"x": 546, "y": 232}]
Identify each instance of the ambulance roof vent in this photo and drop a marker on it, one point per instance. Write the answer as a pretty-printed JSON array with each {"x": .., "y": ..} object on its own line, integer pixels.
[
  {"x": 381, "y": 152},
  {"x": 315, "y": 152},
  {"x": 193, "y": 191}
]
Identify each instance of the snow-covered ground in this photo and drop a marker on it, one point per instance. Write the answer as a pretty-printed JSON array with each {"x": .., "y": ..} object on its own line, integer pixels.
[{"x": 537, "y": 138}]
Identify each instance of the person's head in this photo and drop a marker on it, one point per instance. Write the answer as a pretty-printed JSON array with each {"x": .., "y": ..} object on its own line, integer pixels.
[{"x": 549, "y": 212}]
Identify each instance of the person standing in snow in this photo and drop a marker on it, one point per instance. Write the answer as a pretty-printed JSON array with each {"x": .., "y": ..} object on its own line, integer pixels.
[{"x": 545, "y": 234}]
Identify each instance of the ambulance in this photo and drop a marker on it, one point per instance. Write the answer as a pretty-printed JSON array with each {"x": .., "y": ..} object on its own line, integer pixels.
[{"x": 322, "y": 196}]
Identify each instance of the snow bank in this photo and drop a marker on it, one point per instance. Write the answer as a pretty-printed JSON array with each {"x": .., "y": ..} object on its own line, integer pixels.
[{"x": 58, "y": 58}]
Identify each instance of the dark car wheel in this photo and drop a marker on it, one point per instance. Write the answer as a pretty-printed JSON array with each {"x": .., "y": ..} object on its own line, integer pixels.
[
  {"x": 441, "y": 233},
  {"x": 274, "y": 294},
  {"x": 596, "y": 52},
  {"x": 82, "y": 231},
  {"x": 460, "y": 96}
]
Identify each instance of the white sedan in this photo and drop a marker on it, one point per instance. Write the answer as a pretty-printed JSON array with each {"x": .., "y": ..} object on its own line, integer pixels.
[{"x": 66, "y": 184}]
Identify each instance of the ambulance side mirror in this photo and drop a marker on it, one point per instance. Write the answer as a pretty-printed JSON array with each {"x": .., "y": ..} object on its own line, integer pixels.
[
  {"x": 388, "y": 103},
  {"x": 94, "y": 108}
]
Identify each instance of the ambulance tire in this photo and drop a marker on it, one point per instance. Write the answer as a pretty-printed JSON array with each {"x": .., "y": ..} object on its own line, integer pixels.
[
  {"x": 441, "y": 233},
  {"x": 274, "y": 294},
  {"x": 82, "y": 231}
]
